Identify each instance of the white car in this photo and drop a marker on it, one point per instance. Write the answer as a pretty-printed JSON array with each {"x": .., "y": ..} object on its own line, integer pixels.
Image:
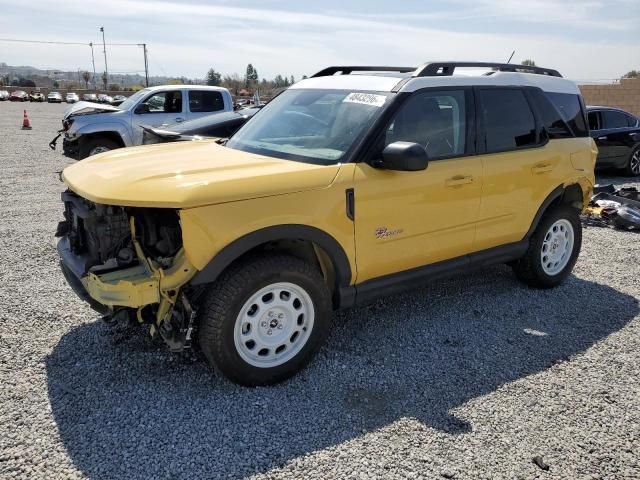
[
  {"x": 54, "y": 97},
  {"x": 72, "y": 98},
  {"x": 4, "y": 95}
]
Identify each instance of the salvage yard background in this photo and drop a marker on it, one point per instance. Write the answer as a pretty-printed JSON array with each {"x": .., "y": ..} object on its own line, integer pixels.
[{"x": 467, "y": 378}]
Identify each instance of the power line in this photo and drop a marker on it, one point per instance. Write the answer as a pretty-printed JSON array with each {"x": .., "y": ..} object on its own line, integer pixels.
[{"x": 42, "y": 41}]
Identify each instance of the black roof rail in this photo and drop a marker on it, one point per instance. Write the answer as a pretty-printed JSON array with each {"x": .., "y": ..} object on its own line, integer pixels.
[
  {"x": 346, "y": 70},
  {"x": 437, "y": 69}
]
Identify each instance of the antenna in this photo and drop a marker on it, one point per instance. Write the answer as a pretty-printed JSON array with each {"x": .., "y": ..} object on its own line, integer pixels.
[{"x": 512, "y": 54}]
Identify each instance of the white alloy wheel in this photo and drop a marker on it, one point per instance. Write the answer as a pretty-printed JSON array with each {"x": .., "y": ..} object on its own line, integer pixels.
[
  {"x": 274, "y": 325},
  {"x": 98, "y": 149},
  {"x": 557, "y": 247}
]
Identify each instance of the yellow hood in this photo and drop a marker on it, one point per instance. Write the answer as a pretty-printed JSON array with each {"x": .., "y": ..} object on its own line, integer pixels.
[{"x": 189, "y": 174}]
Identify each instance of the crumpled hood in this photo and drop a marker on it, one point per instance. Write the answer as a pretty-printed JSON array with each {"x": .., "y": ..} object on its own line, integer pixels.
[
  {"x": 189, "y": 174},
  {"x": 84, "y": 108}
]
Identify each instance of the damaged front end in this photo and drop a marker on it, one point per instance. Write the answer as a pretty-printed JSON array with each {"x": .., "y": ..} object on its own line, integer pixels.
[{"x": 129, "y": 263}]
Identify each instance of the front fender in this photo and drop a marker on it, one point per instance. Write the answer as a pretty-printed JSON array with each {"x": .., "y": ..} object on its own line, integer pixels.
[{"x": 102, "y": 127}]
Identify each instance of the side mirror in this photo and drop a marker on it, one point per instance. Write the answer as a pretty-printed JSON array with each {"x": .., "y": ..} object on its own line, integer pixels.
[
  {"x": 142, "y": 108},
  {"x": 403, "y": 156}
]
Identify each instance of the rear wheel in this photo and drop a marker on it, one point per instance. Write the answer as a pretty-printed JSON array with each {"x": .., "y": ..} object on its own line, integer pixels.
[
  {"x": 632, "y": 168},
  {"x": 553, "y": 249},
  {"x": 264, "y": 319}
]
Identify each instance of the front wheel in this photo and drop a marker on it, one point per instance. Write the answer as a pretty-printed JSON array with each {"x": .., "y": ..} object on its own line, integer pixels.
[
  {"x": 264, "y": 319},
  {"x": 96, "y": 145},
  {"x": 553, "y": 249}
]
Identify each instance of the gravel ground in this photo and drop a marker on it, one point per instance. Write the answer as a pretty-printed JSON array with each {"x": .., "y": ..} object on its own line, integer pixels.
[{"x": 467, "y": 378}]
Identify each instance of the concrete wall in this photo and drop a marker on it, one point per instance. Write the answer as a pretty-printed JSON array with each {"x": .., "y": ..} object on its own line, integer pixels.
[{"x": 624, "y": 95}]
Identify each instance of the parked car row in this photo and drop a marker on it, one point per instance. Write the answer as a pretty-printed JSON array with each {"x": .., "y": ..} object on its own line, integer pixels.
[{"x": 56, "y": 97}]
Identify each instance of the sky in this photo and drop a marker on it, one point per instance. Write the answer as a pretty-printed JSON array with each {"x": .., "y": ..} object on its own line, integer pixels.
[{"x": 586, "y": 40}]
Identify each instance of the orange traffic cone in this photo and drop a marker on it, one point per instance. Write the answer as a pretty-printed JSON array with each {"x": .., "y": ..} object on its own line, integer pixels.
[{"x": 26, "y": 125}]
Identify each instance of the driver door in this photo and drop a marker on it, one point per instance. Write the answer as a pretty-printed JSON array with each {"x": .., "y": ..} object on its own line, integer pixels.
[
  {"x": 405, "y": 220},
  {"x": 158, "y": 109}
]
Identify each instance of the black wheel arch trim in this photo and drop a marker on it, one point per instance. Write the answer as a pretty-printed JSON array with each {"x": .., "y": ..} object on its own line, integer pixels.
[
  {"x": 555, "y": 194},
  {"x": 244, "y": 244}
]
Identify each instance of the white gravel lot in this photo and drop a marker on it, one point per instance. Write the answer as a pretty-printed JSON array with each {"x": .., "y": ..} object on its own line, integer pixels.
[{"x": 468, "y": 378}]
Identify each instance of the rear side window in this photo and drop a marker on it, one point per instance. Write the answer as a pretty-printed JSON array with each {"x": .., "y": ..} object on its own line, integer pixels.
[
  {"x": 550, "y": 117},
  {"x": 614, "y": 119},
  {"x": 205, "y": 101},
  {"x": 570, "y": 108},
  {"x": 508, "y": 121}
]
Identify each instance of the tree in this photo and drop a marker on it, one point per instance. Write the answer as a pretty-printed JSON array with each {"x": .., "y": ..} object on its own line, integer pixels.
[
  {"x": 304, "y": 77},
  {"x": 56, "y": 84},
  {"x": 251, "y": 76},
  {"x": 292, "y": 81},
  {"x": 528, "y": 62},
  {"x": 86, "y": 76},
  {"x": 104, "y": 79},
  {"x": 632, "y": 74},
  {"x": 114, "y": 87},
  {"x": 213, "y": 78}
]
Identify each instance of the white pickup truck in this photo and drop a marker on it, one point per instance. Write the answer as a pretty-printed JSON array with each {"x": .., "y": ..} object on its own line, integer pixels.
[{"x": 92, "y": 128}]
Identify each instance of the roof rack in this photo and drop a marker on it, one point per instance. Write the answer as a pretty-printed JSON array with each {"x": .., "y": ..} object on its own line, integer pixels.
[
  {"x": 437, "y": 69},
  {"x": 344, "y": 70}
]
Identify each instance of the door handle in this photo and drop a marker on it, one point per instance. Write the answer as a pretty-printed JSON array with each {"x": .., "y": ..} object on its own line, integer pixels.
[
  {"x": 542, "y": 167},
  {"x": 604, "y": 137},
  {"x": 458, "y": 180},
  {"x": 179, "y": 119}
]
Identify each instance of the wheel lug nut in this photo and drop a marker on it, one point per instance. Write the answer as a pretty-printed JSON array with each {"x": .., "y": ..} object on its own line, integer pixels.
[
  {"x": 263, "y": 324},
  {"x": 281, "y": 316},
  {"x": 280, "y": 327},
  {"x": 269, "y": 332}
]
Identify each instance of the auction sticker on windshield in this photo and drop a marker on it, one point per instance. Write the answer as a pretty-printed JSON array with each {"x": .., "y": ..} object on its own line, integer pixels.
[{"x": 366, "y": 99}]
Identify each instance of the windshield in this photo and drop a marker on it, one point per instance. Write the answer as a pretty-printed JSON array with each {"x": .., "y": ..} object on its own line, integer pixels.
[
  {"x": 315, "y": 126},
  {"x": 133, "y": 99}
]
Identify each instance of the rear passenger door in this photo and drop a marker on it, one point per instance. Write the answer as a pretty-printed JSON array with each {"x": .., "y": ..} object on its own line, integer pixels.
[
  {"x": 204, "y": 102},
  {"x": 615, "y": 138},
  {"x": 518, "y": 170}
]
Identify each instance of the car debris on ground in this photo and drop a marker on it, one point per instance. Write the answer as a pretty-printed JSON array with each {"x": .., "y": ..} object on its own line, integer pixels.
[{"x": 615, "y": 207}]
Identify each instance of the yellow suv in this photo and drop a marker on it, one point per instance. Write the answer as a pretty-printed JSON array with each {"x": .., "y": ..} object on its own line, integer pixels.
[{"x": 355, "y": 183}]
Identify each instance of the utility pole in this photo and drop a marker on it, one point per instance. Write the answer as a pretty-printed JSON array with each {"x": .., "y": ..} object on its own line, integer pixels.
[
  {"x": 146, "y": 64},
  {"x": 93, "y": 61},
  {"x": 104, "y": 49}
]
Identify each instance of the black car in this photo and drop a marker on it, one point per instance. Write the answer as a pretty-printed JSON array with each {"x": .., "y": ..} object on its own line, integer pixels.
[
  {"x": 218, "y": 125},
  {"x": 617, "y": 134}
]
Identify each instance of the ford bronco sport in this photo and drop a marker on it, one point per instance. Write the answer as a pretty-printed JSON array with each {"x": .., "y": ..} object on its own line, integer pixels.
[{"x": 355, "y": 183}]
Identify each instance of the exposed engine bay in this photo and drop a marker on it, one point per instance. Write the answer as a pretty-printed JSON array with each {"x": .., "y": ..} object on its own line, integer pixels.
[{"x": 130, "y": 259}]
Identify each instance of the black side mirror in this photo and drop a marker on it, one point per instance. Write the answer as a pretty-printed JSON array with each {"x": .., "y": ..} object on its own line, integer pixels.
[
  {"x": 142, "y": 108},
  {"x": 403, "y": 156}
]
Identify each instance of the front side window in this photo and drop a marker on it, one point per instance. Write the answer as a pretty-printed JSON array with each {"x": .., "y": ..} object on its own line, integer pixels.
[
  {"x": 314, "y": 126},
  {"x": 434, "y": 119},
  {"x": 614, "y": 119},
  {"x": 508, "y": 121},
  {"x": 162, "y": 102},
  {"x": 205, "y": 101}
]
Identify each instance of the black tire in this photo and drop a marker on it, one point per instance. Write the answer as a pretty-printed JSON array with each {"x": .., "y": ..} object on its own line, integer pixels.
[
  {"x": 88, "y": 145},
  {"x": 632, "y": 168},
  {"x": 222, "y": 304},
  {"x": 529, "y": 269}
]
